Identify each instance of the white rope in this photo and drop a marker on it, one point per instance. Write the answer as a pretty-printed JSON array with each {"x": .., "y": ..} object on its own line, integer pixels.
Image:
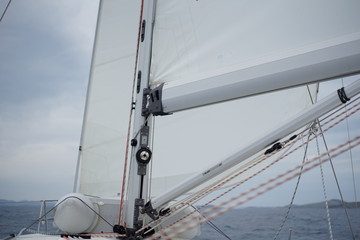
[{"x": 324, "y": 192}]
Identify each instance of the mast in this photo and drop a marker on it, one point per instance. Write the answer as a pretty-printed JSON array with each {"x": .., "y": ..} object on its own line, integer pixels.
[{"x": 137, "y": 191}]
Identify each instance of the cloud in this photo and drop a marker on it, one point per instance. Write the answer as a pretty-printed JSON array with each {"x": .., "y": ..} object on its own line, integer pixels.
[
  {"x": 44, "y": 60},
  {"x": 44, "y": 45},
  {"x": 40, "y": 144}
]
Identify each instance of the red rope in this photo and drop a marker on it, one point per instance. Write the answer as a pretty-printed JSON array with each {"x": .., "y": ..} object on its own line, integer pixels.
[{"x": 129, "y": 126}]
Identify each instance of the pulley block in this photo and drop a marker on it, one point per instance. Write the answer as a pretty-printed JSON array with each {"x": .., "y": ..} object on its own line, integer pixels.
[{"x": 143, "y": 155}]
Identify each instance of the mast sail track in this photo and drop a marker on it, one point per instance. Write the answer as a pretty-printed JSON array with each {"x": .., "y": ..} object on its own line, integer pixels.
[
  {"x": 319, "y": 62},
  {"x": 303, "y": 118}
]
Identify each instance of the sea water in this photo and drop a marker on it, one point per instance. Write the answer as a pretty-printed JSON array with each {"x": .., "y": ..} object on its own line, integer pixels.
[
  {"x": 301, "y": 224},
  {"x": 245, "y": 223}
]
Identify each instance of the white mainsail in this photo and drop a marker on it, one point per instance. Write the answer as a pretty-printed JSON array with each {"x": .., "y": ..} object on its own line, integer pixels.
[
  {"x": 106, "y": 120},
  {"x": 197, "y": 40}
]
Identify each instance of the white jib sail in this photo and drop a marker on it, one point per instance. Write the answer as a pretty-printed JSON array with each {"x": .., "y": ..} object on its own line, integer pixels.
[
  {"x": 106, "y": 120},
  {"x": 196, "y": 40}
]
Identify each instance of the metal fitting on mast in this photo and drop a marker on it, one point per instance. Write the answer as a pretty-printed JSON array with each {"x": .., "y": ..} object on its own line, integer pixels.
[
  {"x": 155, "y": 106},
  {"x": 143, "y": 155},
  {"x": 150, "y": 211}
]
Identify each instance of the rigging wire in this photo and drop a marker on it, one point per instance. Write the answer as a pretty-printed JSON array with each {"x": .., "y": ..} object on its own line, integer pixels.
[
  {"x": 151, "y": 162},
  {"x": 295, "y": 190},
  {"x": 299, "y": 177},
  {"x": 322, "y": 178},
  {"x": 337, "y": 181},
  {"x": 351, "y": 156},
  {"x": 332, "y": 165},
  {"x": 217, "y": 229},
  {"x": 5, "y": 10},
  {"x": 352, "y": 165},
  {"x": 211, "y": 224},
  {"x": 330, "y": 160}
]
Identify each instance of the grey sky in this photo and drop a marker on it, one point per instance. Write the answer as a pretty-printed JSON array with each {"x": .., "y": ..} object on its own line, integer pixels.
[{"x": 45, "y": 53}]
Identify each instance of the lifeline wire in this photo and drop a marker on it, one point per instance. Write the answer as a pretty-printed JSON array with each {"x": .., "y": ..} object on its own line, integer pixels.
[
  {"x": 61, "y": 203},
  {"x": 351, "y": 157}
]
